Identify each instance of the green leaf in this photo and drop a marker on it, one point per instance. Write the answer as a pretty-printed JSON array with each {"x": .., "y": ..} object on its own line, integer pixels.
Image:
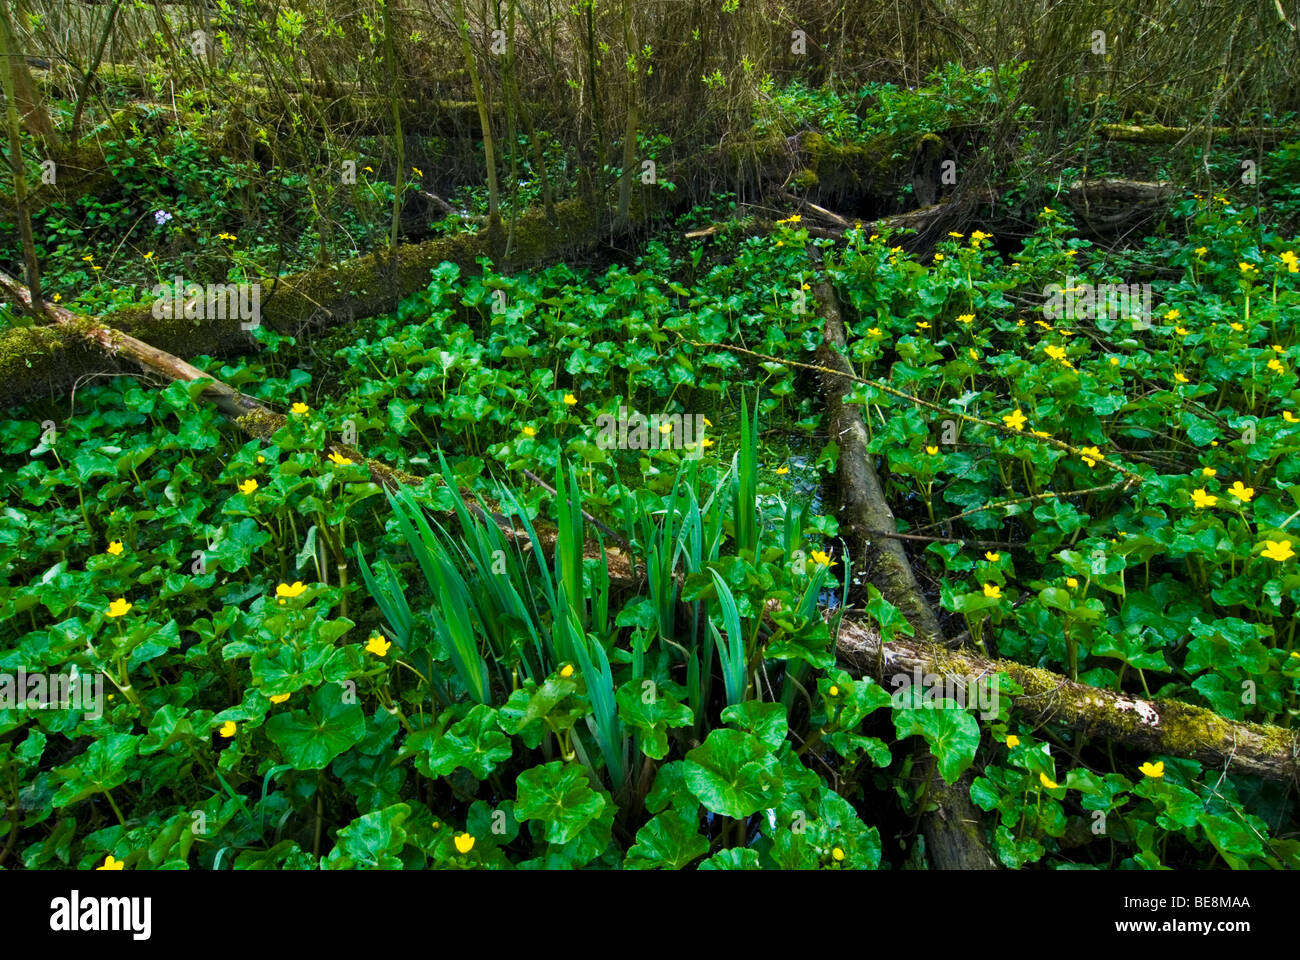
[
  {"x": 474, "y": 743},
  {"x": 737, "y": 858},
  {"x": 767, "y": 721},
  {"x": 558, "y": 795},
  {"x": 733, "y": 773},
  {"x": 311, "y": 739},
  {"x": 371, "y": 842},
  {"x": 647, "y": 709},
  {"x": 669, "y": 841},
  {"x": 952, "y": 733}
]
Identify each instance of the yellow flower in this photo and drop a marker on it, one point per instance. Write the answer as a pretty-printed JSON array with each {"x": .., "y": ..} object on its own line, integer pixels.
[
  {"x": 566, "y": 671},
  {"x": 1013, "y": 741},
  {"x": 1049, "y": 784},
  {"x": 529, "y": 432},
  {"x": 1040, "y": 433},
  {"x": 1241, "y": 492},
  {"x": 248, "y": 486},
  {"x": 1203, "y": 499},
  {"x": 1278, "y": 550},
  {"x": 340, "y": 460},
  {"x": 1090, "y": 456},
  {"x": 977, "y": 236},
  {"x": 1290, "y": 417},
  {"x": 115, "y": 547},
  {"x": 1209, "y": 472},
  {"x": 261, "y": 459},
  {"x": 1114, "y": 361},
  {"x": 368, "y": 169},
  {"x": 1246, "y": 267},
  {"x": 1056, "y": 353},
  {"x": 922, "y": 325},
  {"x": 705, "y": 443},
  {"x": 834, "y": 691},
  {"x": 932, "y": 450},
  {"x": 111, "y": 864},
  {"x": 284, "y": 590},
  {"x": 88, "y": 257},
  {"x": 1276, "y": 365},
  {"x": 417, "y": 171},
  {"x": 58, "y": 297},
  {"x": 974, "y": 354},
  {"x": 1048, "y": 210},
  {"x": 279, "y": 698},
  {"x": 952, "y": 233},
  {"x": 708, "y": 422},
  {"x": 378, "y": 645},
  {"x": 875, "y": 332},
  {"x": 781, "y": 471},
  {"x": 1172, "y": 314},
  {"x": 570, "y": 400},
  {"x": 1071, "y": 582},
  {"x": 665, "y": 428},
  {"x": 992, "y": 591},
  {"x": 938, "y": 258},
  {"x": 1278, "y": 348},
  {"x": 300, "y": 408},
  {"x": 149, "y": 255},
  {"x": 992, "y": 557},
  {"x": 226, "y": 236},
  {"x": 228, "y": 729},
  {"x": 1156, "y": 769},
  {"x": 1181, "y": 331},
  {"x": 838, "y": 854},
  {"x": 1236, "y": 326},
  {"x": 1180, "y": 378},
  {"x": 1201, "y": 251},
  {"x": 823, "y": 559},
  {"x": 1016, "y": 421},
  {"x": 119, "y": 607},
  {"x": 464, "y": 842},
  {"x": 805, "y": 287},
  {"x": 966, "y": 318}
]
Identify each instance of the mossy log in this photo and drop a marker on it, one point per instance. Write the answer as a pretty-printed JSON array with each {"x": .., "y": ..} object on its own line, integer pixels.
[
  {"x": 1109, "y": 206},
  {"x": 1168, "y": 727},
  {"x": 36, "y": 361},
  {"x": 814, "y": 165},
  {"x": 950, "y": 822},
  {"x": 1158, "y": 133},
  {"x": 862, "y": 505}
]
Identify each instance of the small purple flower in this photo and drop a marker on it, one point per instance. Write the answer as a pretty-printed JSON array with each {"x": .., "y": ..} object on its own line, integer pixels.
[{"x": 161, "y": 216}]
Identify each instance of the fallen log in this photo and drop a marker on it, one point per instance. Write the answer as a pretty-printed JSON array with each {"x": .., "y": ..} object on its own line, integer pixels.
[
  {"x": 1157, "y": 726},
  {"x": 950, "y": 822},
  {"x": 43, "y": 360},
  {"x": 1158, "y": 133},
  {"x": 862, "y": 504}
]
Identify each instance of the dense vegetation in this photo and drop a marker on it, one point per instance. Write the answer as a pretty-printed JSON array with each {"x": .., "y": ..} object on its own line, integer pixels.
[{"x": 432, "y": 617}]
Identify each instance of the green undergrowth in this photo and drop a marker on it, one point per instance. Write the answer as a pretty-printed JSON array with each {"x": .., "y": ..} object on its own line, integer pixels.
[{"x": 305, "y": 670}]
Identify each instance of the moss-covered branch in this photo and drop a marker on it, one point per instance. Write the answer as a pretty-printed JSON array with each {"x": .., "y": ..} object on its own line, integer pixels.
[
  {"x": 1168, "y": 727},
  {"x": 43, "y": 360}
]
